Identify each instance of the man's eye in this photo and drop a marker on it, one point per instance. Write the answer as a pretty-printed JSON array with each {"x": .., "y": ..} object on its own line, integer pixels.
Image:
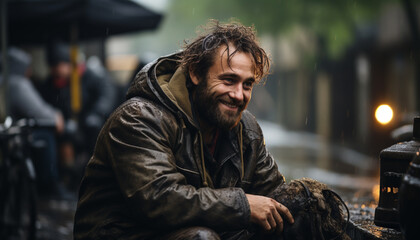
[
  {"x": 228, "y": 80},
  {"x": 248, "y": 84}
]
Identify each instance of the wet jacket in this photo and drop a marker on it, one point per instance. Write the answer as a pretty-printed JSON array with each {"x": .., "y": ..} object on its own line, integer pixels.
[{"x": 148, "y": 173}]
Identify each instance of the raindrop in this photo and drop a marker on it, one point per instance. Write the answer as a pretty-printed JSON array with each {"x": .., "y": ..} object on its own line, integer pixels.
[
  {"x": 193, "y": 11},
  {"x": 107, "y": 31}
]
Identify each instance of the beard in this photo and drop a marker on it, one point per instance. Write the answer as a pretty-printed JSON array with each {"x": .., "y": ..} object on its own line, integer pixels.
[{"x": 207, "y": 106}]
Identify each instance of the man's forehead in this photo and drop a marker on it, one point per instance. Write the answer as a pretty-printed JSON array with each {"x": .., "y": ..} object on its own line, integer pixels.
[{"x": 225, "y": 54}]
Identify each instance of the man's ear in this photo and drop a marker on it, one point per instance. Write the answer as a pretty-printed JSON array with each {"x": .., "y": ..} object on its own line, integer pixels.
[{"x": 194, "y": 78}]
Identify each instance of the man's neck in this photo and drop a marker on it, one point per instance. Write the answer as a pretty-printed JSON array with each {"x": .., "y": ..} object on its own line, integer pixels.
[
  {"x": 210, "y": 137},
  {"x": 208, "y": 132}
]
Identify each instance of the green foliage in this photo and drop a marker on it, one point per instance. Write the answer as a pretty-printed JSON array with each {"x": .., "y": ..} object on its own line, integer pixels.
[{"x": 332, "y": 20}]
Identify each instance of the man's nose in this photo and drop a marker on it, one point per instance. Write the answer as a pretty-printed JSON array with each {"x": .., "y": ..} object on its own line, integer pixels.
[{"x": 237, "y": 92}]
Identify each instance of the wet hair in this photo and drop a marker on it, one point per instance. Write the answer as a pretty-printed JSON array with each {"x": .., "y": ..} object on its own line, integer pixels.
[{"x": 198, "y": 55}]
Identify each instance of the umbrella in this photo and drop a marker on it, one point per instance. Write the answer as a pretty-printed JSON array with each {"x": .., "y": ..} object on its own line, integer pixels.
[{"x": 38, "y": 21}]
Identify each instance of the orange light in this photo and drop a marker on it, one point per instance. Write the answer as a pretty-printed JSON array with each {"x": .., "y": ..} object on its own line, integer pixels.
[
  {"x": 376, "y": 192},
  {"x": 384, "y": 114}
]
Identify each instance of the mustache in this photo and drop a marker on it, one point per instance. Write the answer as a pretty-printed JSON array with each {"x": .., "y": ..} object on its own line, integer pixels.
[{"x": 241, "y": 104}]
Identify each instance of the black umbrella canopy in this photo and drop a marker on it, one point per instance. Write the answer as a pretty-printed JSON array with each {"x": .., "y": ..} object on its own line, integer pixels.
[{"x": 39, "y": 21}]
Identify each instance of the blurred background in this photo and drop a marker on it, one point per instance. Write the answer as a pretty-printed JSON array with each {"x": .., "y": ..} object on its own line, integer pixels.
[{"x": 334, "y": 63}]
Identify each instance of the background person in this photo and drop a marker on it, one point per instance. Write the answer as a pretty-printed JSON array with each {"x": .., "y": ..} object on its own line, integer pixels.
[
  {"x": 25, "y": 102},
  {"x": 98, "y": 100}
]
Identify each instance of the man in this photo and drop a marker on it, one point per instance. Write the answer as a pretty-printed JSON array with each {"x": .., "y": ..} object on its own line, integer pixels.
[
  {"x": 97, "y": 101},
  {"x": 181, "y": 158}
]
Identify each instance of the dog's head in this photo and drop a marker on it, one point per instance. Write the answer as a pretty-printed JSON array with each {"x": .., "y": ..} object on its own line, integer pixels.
[{"x": 317, "y": 210}]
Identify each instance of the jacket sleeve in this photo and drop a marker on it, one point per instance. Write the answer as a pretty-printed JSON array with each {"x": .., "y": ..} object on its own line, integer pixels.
[
  {"x": 265, "y": 175},
  {"x": 140, "y": 142}
]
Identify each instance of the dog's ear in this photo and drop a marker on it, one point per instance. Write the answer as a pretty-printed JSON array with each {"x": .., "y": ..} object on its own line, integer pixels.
[{"x": 339, "y": 214}]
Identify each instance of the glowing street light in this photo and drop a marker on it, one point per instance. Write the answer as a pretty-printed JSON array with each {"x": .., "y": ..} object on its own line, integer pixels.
[{"x": 384, "y": 114}]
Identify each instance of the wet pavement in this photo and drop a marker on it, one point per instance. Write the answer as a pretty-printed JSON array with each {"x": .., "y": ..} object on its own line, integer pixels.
[
  {"x": 55, "y": 219},
  {"x": 362, "y": 212}
]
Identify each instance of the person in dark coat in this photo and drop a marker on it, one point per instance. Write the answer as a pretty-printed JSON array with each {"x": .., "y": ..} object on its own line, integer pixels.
[
  {"x": 182, "y": 158},
  {"x": 97, "y": 101}
]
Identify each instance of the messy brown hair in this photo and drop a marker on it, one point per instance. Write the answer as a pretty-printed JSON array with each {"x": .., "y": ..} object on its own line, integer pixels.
[{"x": 198, "y": 55}]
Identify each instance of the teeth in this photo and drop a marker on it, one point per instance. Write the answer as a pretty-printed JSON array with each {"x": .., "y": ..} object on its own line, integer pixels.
[{"x": 229, "y": 105}]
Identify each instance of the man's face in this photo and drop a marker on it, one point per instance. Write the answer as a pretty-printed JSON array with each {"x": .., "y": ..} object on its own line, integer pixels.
[
  {"x": 224, "y": 94},
  {"x": 62, "y": 70}
]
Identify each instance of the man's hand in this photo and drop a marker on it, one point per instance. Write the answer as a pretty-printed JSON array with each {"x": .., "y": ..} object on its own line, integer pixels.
[
  {"x": 59, "y": 123},
  {"x": 268, "y": 213}
]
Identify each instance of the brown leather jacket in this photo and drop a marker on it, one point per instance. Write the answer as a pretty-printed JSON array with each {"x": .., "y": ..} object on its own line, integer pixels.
[{"x": 148, "y": 172}]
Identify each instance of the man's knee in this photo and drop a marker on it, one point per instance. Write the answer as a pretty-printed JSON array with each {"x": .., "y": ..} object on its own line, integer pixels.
[
  {"x": 194, "y": 233},
  {"x": 202, "y": 233}
]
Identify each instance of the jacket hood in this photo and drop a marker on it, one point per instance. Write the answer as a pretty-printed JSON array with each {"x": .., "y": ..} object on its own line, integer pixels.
[
  {"x": 165, "y": 81},
  {"x": 18, "y": 61}
]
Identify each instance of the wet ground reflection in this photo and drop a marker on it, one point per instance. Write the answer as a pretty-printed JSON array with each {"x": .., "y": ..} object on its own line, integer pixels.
[
  {"x": 362, "y": 211},
  {"x": 55, "y": 219}
]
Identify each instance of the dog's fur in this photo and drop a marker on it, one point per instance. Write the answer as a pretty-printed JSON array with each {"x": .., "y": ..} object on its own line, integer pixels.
[{"x": 319, "y": 216}]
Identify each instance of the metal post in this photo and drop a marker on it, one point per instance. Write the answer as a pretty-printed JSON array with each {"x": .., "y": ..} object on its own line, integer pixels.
[
  {"x": 415, "y": 34},
  {"x": 75, "y": 84},
  {"x": 4, "y": 85}
]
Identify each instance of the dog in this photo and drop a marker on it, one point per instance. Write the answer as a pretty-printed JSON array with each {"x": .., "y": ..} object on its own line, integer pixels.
[{"x": 317, "y": 210}]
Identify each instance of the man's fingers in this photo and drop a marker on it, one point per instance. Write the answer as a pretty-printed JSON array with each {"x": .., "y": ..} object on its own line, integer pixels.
[
  {"x": 266, "y": 225},
  {"x": 268, "y": 213},
  {"x": 284, "y": 211},
  {"x": 272, "y": 222},
  {"x": 279, "y": 221}
]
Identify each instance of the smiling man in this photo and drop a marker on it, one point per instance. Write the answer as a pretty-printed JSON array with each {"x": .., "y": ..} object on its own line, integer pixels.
[{"x": 182, "y": 158}]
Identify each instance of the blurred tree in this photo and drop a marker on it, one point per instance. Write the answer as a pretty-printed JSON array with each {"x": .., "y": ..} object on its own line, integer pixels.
[{"x": 332, "y": 20}]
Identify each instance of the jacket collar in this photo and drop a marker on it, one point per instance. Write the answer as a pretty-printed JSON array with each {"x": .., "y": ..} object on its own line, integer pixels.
[
  {"x": 174, "y": 87},
  {"x": 168, "y": 83}
]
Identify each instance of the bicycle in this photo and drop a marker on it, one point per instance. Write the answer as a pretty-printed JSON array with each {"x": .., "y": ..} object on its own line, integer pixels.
[{"x": 18, "y": 205}]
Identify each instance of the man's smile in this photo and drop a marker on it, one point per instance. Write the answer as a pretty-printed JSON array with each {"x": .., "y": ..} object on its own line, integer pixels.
[{"x": 230, "y": 105}]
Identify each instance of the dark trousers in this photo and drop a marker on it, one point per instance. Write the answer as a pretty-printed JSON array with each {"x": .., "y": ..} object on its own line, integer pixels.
[
  {"x": 201, "y": 233},
  {"x": 45, "y": 156}
]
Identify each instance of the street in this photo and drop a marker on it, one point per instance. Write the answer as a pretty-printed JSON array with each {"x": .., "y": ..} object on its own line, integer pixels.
[{"x": 55, "y": 219}]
